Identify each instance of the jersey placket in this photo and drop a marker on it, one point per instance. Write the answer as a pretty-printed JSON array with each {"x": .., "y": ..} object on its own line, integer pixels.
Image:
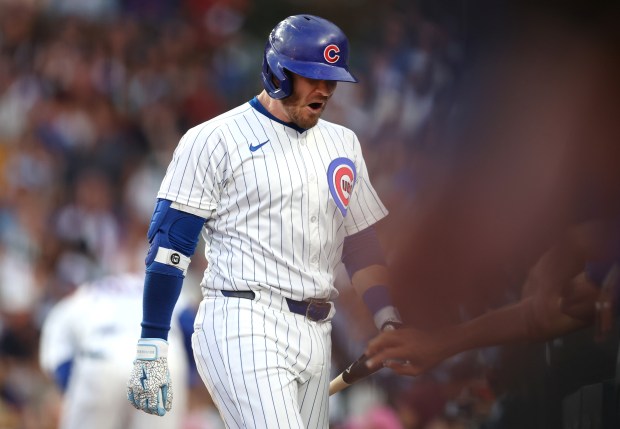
[{"x": 313, "y": 203}]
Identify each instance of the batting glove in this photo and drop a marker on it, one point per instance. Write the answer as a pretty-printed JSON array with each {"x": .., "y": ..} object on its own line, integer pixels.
[
  {"x": 388, "y": 319},
  {"x": 149, "y": 388},
  {"x": 391, "y": 326}
]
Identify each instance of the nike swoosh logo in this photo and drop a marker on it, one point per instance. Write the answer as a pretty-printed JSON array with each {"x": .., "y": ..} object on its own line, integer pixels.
[{"x": 258, "y": 146}]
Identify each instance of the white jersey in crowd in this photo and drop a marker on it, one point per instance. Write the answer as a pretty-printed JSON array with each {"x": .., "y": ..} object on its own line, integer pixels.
[
  {"x": 279, "y": 201},
  {"x": 96, "y": 327}
]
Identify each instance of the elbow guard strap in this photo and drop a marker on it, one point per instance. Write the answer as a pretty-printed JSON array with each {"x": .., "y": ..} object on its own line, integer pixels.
[{"x": 172, "y": 257}]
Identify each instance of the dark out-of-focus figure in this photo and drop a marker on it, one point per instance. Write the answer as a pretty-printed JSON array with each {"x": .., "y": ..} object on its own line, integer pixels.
[{"x": 524, "y": 161}]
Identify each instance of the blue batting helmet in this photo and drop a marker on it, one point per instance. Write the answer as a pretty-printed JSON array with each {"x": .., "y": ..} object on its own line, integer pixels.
[{"x": 306, "y": 45}]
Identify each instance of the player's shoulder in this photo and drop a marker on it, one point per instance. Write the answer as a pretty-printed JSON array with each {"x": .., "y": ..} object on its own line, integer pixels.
[
  {"x": 324, "y": 123},
  {"x": 338, "y": 133},
  {"x": 213, "y": 125},
  {"x": 64, "y": 309},
  {"x": 337, "y": 128}
]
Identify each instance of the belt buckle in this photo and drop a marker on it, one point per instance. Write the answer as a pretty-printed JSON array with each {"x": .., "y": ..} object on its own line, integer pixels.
[{"x": 314, "y": 303}]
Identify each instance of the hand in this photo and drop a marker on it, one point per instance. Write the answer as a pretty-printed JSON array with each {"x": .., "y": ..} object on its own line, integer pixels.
[
  {"x": 406, "y": 351},
  {"x": 149, "y": 387}
]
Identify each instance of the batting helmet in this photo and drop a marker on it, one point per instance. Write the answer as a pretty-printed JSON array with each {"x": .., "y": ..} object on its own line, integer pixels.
[{"x": 306, "y": 45}]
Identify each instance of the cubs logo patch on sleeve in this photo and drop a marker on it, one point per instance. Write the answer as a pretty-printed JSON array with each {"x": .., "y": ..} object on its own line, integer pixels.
[{"x": 341, "y": 178}]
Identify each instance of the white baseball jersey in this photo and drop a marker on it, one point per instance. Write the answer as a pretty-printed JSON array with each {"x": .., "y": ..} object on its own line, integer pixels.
[
  {"x": 279, "y": 202},
  {"x": 97, "y": 327}
]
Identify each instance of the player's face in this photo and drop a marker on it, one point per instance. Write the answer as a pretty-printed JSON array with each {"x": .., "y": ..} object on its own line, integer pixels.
[{"x": 308, "y": 100}]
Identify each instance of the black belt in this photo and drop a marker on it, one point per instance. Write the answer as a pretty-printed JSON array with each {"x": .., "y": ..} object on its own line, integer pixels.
[{"x": 313, "y": 310}]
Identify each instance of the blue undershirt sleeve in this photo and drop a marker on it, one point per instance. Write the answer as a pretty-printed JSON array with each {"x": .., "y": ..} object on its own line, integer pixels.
[{"x": 161, "y": 292}]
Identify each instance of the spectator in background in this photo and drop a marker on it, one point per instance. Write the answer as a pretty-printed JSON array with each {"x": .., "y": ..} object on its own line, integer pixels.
[{"x": 86, "y": 347}]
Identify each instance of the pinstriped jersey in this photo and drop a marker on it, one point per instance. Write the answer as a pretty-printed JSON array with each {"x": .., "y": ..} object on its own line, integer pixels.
[{"x": 279, "y": 200}]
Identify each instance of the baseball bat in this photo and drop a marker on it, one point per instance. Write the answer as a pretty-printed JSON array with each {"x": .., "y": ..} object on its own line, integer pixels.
[{"x": 354, "y": 372}]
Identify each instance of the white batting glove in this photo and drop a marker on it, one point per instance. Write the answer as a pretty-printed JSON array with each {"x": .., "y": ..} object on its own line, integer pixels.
[
  {"x": 149, "y": 388},
  {"x": 388, "y": 319}
]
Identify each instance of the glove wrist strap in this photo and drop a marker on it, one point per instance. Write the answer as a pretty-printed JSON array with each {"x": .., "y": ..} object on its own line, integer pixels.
[
  {"x": 151, "y": 349},
  {"x": 378, "y": 300},
  {"x": 387, "y": 316}
]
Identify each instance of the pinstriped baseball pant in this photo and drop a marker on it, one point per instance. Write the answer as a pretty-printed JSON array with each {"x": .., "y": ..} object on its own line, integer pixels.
[{"x": 264, "y": 367}]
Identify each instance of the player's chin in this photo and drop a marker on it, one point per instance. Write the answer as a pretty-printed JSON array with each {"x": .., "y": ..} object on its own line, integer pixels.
[
  {"x": 312, "y": 113},
  {"x": 308, "y": 121}
]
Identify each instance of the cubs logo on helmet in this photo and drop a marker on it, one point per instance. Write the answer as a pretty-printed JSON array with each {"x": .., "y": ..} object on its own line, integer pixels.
[
  {"x": 341, "y": 178},
  {"x": 331, "y": 53}
]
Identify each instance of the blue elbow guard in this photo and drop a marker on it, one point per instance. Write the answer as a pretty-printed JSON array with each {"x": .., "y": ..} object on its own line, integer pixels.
[{"x": 173, "y": 236}]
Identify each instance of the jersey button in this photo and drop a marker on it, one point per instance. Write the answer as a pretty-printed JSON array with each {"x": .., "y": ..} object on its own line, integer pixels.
[
  {"x": 313, "y": 219},
  {"x": 312, "y": 178},
  {"x": 314, "y": 260}
]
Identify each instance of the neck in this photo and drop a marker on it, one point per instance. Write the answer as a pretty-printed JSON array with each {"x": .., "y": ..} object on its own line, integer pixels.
[{"x": 273, "y": 106}]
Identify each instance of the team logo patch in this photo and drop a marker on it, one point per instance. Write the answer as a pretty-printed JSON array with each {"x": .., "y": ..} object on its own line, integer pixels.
[
  {"x": 341, "y": 178},
  {"x": 331, "y": 53}
]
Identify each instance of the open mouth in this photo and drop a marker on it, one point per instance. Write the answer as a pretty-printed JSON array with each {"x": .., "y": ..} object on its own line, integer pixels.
[{"x": 316, "y": 106}]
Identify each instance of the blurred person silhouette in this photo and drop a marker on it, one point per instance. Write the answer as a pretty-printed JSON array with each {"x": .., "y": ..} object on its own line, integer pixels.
[
  {"x": 87, "y": 338},
  {"x": 570, "y": 301},
  {"x": 86, "y": 346},
  {"x": 523, "y": 251},
  {"x": 573, "y": 285}
]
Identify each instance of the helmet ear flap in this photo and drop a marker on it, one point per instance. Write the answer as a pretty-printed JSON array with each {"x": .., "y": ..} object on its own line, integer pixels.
[
  {"x": 277, "y": 85},
  {"x": 286, "y": 84}
]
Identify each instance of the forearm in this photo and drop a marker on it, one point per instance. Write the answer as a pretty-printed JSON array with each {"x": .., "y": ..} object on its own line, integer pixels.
[
  {"x": 504, "y": 325},
  {"x": 161, "y": 292},
  {"x": 363, "y": 259},
  {"x": 371, "y": 284},
  {"x": 368, "y": 277},
  {"x": 526, "y": 320},
  {"x": 173, "y": 236}
]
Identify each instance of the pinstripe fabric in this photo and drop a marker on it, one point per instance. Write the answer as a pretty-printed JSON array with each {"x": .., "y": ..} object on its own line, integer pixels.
[
  {"x": 264, "y": 368},
  {"x": 273, "y": 222},
  {"x": 275, "y": 226}
]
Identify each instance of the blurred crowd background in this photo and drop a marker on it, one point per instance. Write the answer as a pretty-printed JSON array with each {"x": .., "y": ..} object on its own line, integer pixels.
[{"x": 487, "y": 127}]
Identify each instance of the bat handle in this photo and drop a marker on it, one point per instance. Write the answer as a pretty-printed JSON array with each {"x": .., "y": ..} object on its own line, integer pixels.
[
  {"x": 337, "y": 384},
  {"x": 356, "y": 371}
]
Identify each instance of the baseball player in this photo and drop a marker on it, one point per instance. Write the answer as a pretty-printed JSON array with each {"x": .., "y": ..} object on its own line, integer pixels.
[
  {"x": 87, "y": 346},
  {"x": 282, "y": 197}
]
